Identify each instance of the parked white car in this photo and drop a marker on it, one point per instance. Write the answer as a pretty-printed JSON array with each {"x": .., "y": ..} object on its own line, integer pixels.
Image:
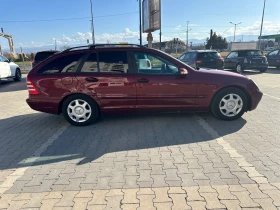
[{"x": 9, "y": 69}]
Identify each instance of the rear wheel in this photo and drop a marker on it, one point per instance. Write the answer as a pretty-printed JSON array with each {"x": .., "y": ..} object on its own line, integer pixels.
[
  {"x": 262, "y": 70},
  {"x": 17, "y": 75},
  {"x": 80, "y": 110},
  {"x": 239, "y": 69},
  {"x": 229, "y": 104}
]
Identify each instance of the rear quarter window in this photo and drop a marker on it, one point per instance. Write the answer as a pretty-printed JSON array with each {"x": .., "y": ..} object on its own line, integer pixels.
[{"x": 65, "y": 64}]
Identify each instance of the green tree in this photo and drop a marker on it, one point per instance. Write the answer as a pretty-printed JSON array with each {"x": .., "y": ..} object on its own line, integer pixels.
[{"x": 218, "y": 42}]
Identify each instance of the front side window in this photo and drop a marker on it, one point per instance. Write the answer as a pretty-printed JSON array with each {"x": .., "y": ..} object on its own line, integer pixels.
[
  {"x": 273, "y": 53},
  {"x": 113, "y": 62},
  {"x": 148, "y": 63},
  {"x": 233, "y": 55},
  {"x": 65, "y": 64},
  {"x": 1, "y": 59}
]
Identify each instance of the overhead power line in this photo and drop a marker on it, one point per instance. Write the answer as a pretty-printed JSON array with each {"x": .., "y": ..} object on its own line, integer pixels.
[{"x": 63, "y": 19}]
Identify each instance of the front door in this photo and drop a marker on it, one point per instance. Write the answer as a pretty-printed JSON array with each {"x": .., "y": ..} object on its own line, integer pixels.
[
  {"x": 5, "y": 70},
  {"x": 160, "y": 87},
  {"x": 273, "y": 58},
  {"x": 231, "y": 60},
  {"x": 109, "y": 77}
]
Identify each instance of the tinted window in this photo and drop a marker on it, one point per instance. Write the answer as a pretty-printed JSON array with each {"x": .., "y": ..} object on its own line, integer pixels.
[
  {"x": 233, "y": 55},
  {"x": 249, "y": 53},
  {"x": 90, "y": 64},
  {"x": 213, "y": 55},
  {"x": 113, "y": 62},
  {"x": 40, "y": 56},
  {"x": 64, "y": 64},
  {"x": 206, "y": 55},
  {"x": 3, "y": 59},
  {"x": 154, "y": 64}
]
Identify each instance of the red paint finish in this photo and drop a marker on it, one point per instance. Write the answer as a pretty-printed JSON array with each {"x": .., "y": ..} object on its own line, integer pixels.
[{"x": 133, "y": 92}]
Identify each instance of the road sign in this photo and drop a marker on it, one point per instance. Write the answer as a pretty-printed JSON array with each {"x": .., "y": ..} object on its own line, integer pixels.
[{"x": 151, "y": 15}]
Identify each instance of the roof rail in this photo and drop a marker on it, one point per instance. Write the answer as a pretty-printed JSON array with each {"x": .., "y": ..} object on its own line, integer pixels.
[{"x": 103, "y": 45}]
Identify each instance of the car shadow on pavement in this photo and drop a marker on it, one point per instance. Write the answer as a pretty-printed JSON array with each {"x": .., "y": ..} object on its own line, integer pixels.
[
  {"x": 8, "y": 85},
  {"x": 109, "y": 136}
]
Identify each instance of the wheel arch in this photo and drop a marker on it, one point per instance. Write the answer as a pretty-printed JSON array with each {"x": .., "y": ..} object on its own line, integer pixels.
[
  {"x": 72, "y": 94},
  {"x": 248, "y": 96}
]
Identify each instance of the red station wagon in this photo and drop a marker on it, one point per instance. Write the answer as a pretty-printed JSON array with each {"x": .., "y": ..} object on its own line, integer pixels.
[{"x": 88, "y": 81}]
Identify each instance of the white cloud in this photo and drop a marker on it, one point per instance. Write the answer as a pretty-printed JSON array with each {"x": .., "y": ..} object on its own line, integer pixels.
[
  {"x": 268, "y": 28},
  {"x": 178, "y": 27}
]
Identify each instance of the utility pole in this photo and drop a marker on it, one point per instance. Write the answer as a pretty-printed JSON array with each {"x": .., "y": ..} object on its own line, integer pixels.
[
  {"x": 22, "y": 58},
  {"x": 92, "y": 24},
  {"x": 55, "y": 45},
  {"x": 160, "y": 25},
  {"x": 188, "y": 35},
  {"x": 140, "y": 22},
  {"x": 262, "y": 25},
  {"x": 235, "y": 24}
]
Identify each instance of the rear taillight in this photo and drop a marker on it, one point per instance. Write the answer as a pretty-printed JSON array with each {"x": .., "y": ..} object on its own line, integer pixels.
[
  {"x": 221, "y": 59},
  {"x": 31, "y": 62},
  {"x": 148, "y": 64},
  {"x": 198, "y": 61},
  {"x": 245, "y": 60},
  {"x": 31, "y": 87}
]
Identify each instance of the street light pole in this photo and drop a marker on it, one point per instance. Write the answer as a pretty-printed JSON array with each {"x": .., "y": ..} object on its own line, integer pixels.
[
  {"x": 140, "y": 22},
  {"x": 188, "y": 35},
  {"x": 92, "y": 24},
  {"x": 262, "y": 25},
  {"x": 235, "y": 24}
]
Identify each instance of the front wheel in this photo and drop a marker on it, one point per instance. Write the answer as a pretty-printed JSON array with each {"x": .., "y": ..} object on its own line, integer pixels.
[
  {"x": 80, "y": 110},
  {"x": 17, "y": 76},
  {"x": 229, "y": 104},
  {"x": 239, "y": 69}
]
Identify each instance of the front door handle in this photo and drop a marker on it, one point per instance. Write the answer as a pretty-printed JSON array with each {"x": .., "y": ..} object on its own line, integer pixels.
[
  {"x": 91, "y": 79},
  {"x": 143, "y": 80}
]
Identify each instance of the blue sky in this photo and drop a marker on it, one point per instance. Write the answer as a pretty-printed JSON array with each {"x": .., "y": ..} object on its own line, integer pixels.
[{"x": 113, "y": 27}]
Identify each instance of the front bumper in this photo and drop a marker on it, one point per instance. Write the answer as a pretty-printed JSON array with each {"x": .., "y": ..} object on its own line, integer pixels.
[{"x": 256, "y": 98}]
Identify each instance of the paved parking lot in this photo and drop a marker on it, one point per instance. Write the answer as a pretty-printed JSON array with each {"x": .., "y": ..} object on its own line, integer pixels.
[{"x": 166, "y": 161}]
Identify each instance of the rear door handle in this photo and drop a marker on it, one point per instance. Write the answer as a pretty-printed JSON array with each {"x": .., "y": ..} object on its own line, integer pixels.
[
  {"x": 143, "y": 80},
  {"x": 91, "y": 79}
]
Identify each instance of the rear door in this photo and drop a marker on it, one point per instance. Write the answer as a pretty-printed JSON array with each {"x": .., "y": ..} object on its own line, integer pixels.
[
  {"x": 5, "y": 70},
  {"x": 273, "y": 58},
  {"x": 108, "y": 75},
  {"x": 162, "y": 88}
]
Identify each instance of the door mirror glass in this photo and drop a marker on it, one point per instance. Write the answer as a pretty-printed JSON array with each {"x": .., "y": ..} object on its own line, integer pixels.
[{"x": 183, "y": 71}]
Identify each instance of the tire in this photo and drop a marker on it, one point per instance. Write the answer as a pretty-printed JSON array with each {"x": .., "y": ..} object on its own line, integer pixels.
[
  {"x": 81, "y": 103},
  {"x": 17, "y": 76},
  {"x": 239, "y": 69},
  {"x": 262, "y": 70},
  {"x": 238, "y": 98}
]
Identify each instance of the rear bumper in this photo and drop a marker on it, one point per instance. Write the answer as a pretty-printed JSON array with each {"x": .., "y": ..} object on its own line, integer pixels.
[
  {"x": 47, "y": 107},
  {"x": 255, "y": 66}
]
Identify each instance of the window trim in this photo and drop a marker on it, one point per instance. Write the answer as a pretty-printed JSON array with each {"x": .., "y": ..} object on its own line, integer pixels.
[{"x": 136, "y": 68}]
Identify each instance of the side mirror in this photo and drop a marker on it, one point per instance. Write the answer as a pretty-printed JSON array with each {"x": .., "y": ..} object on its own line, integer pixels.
[{"x": 183, "y": 72}]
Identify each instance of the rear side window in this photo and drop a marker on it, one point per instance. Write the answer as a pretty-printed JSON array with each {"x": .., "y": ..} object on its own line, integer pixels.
[
  {"x": 113, "y": 62},
  {"x": 40, "y": 56},
  {"x": 90, "y": 64},
  {"x": 65, "y": 64}
]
